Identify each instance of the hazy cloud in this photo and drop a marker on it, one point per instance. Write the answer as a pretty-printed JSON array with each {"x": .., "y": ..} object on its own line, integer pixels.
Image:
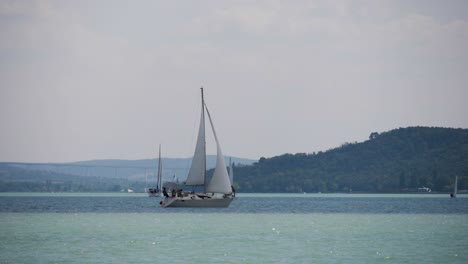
[{"x": 113, "y": 79}]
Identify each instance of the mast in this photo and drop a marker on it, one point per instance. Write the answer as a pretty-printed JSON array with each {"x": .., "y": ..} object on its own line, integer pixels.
[{"x": 204, "y": 142}]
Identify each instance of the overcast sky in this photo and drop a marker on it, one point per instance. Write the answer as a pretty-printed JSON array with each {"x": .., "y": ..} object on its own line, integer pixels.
[{"x": 84, "y": 80}]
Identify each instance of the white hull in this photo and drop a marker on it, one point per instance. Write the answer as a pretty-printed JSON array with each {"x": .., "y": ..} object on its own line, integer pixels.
[
  {"x": 153, "y": 194},
  {"x": 194, "y": 200}
]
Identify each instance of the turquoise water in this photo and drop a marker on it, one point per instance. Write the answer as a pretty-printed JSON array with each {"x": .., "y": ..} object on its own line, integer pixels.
[{"x": 255, "y": 229}]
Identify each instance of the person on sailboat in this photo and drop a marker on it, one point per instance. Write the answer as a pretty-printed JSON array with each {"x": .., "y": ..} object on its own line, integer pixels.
[
  {"x": 165, "y": 192},
  {"x": 233, "y": 191}
]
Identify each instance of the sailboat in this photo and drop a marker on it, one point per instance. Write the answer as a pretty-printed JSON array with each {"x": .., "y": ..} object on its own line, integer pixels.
[
  {"x": 156, "y": 192},
  {"x": 455, "y": 188},
  {"x": 218, "y": 191}
]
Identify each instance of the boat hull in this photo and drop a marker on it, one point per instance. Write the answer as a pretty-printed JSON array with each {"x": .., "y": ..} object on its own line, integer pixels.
[
  {"x": 196, "y": 201},
  {"x": 153, "y": 193}
]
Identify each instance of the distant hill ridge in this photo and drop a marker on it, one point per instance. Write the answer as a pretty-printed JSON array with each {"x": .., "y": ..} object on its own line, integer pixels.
[
  {"x": 395, "y": 161},
  {"x": 119, "y": 168},
  {"x": 167, "y": 162},
  {"x": 399, "y": 160},
  {"x": 171, "y": 166},
  {"x": 97, "y": 175}
]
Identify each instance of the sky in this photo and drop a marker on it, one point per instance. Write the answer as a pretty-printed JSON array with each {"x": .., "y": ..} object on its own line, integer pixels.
[{"x": 111, "y": 79}]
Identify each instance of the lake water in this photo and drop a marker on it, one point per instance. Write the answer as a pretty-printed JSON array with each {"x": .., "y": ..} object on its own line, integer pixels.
[{"x": 267, "y": 228}]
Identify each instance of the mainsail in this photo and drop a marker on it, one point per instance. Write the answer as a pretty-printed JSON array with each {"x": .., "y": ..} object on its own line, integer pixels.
[{"x": 197, "y": 170}]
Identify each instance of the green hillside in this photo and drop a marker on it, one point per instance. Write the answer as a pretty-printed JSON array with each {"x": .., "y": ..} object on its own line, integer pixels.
[{"x": 396, "y": 161}]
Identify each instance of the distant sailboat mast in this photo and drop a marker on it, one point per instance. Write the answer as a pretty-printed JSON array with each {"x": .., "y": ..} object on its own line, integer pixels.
[
  {"x": 204, "y": 141},
  {"x": 456, "y": 185},
  {"x": 159, "y": 184},
  {"x": 455, "y": 188},
  {"x": 231, "y": 173}
]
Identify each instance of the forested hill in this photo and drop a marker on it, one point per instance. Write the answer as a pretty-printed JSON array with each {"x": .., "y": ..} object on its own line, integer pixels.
[{"x": 399, "y": 160}]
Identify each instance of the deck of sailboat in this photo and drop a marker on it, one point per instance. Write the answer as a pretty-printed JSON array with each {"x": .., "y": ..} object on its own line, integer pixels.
[{"x": 197, "y": 200}]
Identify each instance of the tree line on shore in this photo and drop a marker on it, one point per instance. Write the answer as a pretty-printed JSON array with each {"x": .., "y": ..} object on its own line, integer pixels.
[{"x": 400, "y": 160}]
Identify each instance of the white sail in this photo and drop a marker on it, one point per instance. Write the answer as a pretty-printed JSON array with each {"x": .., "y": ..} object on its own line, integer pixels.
[
  {"x": 220, "y": 182},
  {"x": 197, "y": 172}
]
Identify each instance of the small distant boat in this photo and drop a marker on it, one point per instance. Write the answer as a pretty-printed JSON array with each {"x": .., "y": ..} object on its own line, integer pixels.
[
  {"x": 424, "y": 189},
  {"x": 156, "y": 192},
  {"x": 216, "y": 193},
  {"x": 455, "y": 188}
]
